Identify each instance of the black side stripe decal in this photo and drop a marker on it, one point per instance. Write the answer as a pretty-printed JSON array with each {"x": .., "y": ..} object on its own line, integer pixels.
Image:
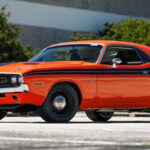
[
  {"x": 111, "y": 69},
  {"x": 89, "y": 71}
]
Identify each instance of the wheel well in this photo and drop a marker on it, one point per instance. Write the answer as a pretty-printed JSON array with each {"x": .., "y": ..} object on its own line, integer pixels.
[{"x": 75, "y": 87}]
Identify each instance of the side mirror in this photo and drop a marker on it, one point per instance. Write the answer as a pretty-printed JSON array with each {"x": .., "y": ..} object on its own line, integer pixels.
[{"x": 116, "y": 61}]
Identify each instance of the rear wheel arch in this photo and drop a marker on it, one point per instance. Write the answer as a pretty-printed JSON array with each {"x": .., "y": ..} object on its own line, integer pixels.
[{"x": 76, "y": 88}]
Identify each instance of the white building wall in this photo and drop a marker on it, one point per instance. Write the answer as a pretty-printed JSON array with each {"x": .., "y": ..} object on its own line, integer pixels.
[{"x": 45, "y": 23}]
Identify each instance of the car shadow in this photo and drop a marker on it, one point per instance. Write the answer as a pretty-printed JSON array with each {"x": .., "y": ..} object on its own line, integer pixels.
[
  {"x": 80, "y": 122},
  {"x": 109, "y": 122}
]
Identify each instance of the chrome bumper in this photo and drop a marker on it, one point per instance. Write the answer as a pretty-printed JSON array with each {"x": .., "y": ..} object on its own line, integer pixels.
[{"x": 20, "y": 89}]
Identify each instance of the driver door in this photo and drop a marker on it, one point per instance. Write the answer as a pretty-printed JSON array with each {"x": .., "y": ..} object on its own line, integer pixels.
[{"x": 127, "y": 85}]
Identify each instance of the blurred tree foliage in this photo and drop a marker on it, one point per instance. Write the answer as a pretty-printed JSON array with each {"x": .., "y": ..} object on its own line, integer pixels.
[
  {"x": 11, "y": 49},
  {"x": 62, "y": 55},
  {"x": 130, "y": 30}
]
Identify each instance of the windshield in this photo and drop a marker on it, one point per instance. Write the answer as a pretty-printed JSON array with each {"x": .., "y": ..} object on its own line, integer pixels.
[{"x": 80, "y": 52}]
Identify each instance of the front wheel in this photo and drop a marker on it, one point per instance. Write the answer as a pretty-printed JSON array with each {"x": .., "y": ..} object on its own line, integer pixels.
[
  {"x": 61, "y": 104},
  {"x": 98, "y": 116}
]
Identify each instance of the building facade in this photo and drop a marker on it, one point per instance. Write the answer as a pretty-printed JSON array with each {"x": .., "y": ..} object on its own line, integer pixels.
[{"x": 45, "y": 22}]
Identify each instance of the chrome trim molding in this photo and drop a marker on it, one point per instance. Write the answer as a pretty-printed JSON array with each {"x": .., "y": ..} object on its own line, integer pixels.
[
  {"x": 10, "y": 73},
  {"x": 20, "y": 89}
]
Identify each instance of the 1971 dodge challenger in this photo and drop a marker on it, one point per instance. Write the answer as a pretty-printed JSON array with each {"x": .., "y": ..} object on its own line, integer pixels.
[{"x": 100, "y": 77}]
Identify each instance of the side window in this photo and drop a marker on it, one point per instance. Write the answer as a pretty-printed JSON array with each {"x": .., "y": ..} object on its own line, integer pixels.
[{"x": 128, "y": 56}]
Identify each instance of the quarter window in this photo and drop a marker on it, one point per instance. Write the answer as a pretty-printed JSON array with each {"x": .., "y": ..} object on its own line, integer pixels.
[{"x": 129, "y": 56}]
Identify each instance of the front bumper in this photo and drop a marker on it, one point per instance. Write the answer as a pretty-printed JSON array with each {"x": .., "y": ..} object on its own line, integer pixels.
[{"x": 20, "y": 89}]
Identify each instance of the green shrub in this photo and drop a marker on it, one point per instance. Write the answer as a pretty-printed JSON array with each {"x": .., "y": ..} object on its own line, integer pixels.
[
  {"x": 11, "y": 49},
  {"x": 129, "y": 30}
]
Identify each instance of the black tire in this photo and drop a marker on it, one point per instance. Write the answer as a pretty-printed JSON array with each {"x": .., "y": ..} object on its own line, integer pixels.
[
  {"x": 2, "y": 114},
  {"x": 50, "y": 113},
  {"x": 99, "y": 116}
]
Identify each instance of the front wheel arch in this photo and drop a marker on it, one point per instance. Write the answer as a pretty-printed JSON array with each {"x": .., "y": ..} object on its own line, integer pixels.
[
  {"x": 76, "y": 88},
  {"x": 52, "y": 109}
]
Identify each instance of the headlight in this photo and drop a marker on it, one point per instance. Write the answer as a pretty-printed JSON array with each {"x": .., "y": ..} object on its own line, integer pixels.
[
  {"x": 13, "y": 80},
  {"x": 20, "y": 80}
]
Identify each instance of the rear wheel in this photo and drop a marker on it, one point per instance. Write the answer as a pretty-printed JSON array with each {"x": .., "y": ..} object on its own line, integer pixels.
[
  {"x": 2, "y": 114},
  {"x": 98, "y": 116},
  {"x": 61, "y": 104}
]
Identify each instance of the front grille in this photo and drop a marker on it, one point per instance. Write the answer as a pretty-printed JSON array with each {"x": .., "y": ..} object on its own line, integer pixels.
[{"x": 5, "y": 80}]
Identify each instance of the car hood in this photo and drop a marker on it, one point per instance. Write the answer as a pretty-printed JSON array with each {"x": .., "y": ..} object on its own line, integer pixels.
[{"x": 33, "y": 66}]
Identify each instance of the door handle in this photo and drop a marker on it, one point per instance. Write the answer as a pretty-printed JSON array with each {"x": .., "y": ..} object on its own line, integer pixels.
[{"x": 145, "y": 73}]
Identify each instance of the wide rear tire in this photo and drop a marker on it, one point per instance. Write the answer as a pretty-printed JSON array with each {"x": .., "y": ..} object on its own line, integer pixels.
[
  {"x": 61, "y": 104},
  {"x": 99, "y": 116}
]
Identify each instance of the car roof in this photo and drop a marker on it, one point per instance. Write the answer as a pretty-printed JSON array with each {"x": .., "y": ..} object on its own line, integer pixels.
[{"x": 104, "y": 42}]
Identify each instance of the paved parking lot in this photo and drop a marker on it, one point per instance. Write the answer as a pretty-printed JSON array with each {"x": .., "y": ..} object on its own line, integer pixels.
[{"x": 121, "y": 133}]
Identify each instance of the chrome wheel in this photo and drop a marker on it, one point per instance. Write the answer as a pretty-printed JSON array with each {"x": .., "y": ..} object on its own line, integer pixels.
[{"x": 59, "y": 102}]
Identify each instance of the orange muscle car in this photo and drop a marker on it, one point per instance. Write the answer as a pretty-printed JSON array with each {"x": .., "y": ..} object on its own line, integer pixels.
[{"x": 100, "y": 77}]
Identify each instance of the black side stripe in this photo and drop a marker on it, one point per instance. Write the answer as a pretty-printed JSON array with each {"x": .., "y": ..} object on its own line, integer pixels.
[
  {"x": 86, "y": 73},
  {"x": 100, "y": 72},
  {"x": 111, "y": 69}
]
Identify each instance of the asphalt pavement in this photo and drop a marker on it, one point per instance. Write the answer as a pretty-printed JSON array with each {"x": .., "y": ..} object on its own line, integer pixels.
[{"x": 120, "y": 133}]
